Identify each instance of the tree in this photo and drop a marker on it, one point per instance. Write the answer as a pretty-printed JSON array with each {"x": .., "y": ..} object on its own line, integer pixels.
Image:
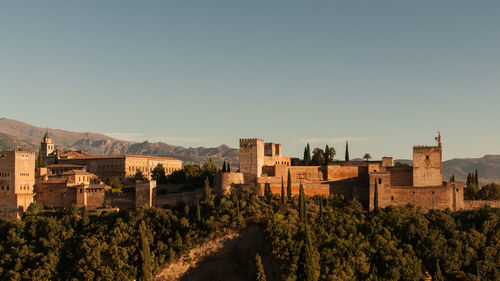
[
  {"x": 289, "y": 186},
  {"x": 144, "y": 270},
  {"x": 367, "y": 156},
  {"x": 307, "y": 155},
  {"x": 375, "y": 197},
  {"x": 283, "y": 198},
  {"x": 476, "y": 178},
  {"x": 85, "y": 217},
  {"x": 267, "y": 191},
  {"x": 346, "y": 151},
  {"x": 198, "y": 212},
  {"x": 302, "y": 204},
  {"x": 139, "y": 175},
  {"x": 438, "y": 276},
  {"x": 318, "y": 156},
  {"x": 329, "y": 154},
  {"x": 208, "y": 197},
  {"x": 224, "y": 167},
  {"x": 308, "y": 263},
  {"x": 159, "y": 175},
  {"x": 320, "y": 208},
  {"x": 260, "y": 275},
  {"x": 39, "y": 161},
  {"x": 228, "y": 167}
]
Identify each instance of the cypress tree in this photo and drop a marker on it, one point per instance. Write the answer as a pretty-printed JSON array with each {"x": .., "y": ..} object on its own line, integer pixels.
[
  {"x": 307, "y": 155},
  {"x": 260, "y": 275},
  {"x": 267, "y": 190},
  {"x": 144, "y": 270},
  {"x": 289, "y": 186},
  {"x": 283, "y": 198},
  {"x": 438, "y": 276},
  {"x": 321, "y": 208},
  {"x": 308, "y": 263},
  {"x": 327, "y": 155},
  {"x": 224, "y": 167},
  {"x": 375, "y": 197},
  {"x": 198, "y": 212},
  {"x": 476, "y": 178},
  {"x": 85, "y": 217},
  {"x": 346, "y": 151},
  {"x": 302, "y": 204},
  {"x": 228, "y": 167}
]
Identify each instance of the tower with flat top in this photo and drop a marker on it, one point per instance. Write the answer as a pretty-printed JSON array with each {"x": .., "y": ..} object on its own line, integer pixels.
[{"x": 427, "y": 165}]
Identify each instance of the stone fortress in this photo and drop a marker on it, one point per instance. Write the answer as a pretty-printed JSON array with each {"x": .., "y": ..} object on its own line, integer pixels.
[{"x": 421, "y": 184}]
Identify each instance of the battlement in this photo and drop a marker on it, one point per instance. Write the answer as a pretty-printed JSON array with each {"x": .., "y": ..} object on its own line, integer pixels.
[
  {"x": 250, "y": 141},
  {"x": 422, "y": 148}
]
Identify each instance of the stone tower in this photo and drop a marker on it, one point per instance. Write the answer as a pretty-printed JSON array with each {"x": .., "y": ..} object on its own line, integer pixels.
[
  {"x": 47, "y": 145},
  {"x": 427, "y": 165},
  {"x": 251, "y": 158},
  {"x": 17, "y": 179}
]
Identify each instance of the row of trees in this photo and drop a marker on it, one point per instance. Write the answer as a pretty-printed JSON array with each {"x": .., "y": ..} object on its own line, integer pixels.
[
  {"x": 329, "y": 238},
  {"x": 324, "y": 157}
]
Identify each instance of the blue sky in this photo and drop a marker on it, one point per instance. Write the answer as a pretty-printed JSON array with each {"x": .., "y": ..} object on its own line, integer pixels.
[{"x": 385, "y": 74}]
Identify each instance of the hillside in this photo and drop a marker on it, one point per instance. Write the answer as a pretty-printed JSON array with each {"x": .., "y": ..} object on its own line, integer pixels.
[{"x": 15, "y": 134}]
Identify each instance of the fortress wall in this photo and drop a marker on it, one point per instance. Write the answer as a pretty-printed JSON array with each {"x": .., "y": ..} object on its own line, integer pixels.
[
  {"x": 426, "y": 197},
  {"x": 401, "y": 176},
  {"x": 383, "y": 180},
  {"x": 338, "y": 172},
  {"x": 270, "y": 161},
  {"x": 307, "y": 173},
  {"x": 224, "y": 181}
]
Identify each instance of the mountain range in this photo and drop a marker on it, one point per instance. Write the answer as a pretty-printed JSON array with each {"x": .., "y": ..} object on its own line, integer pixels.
[{"x": 14, "y": 134}]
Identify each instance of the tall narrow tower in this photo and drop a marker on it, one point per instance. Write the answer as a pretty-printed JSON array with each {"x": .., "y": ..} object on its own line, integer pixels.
[{"x": 47, "y": 145}]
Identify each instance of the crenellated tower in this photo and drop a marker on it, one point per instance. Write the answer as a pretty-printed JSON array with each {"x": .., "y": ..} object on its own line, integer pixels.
[{"x": 251, "y": 158}]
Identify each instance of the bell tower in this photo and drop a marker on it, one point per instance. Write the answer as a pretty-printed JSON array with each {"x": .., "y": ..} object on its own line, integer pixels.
[{"x": 47, "y": 145}]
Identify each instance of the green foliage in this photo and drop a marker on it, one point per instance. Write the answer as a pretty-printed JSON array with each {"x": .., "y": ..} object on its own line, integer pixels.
[
  {"x": 289, "y": 186},
  {"x": 308, "y": 263},
  {"x": 302, "y": 204},
  {"x": 395, "y": 243},
  {"x": 139, "y": 175},
  {"x": 224, "y": 169},
  {"x": 307, "y": 155},
  {"x": 329, "y": 154},
  {"x": 367, "y": 156},
  {"x": 159, "y": 174},
  {"x": 115, "y": 183},
  {"x": 39, "y": 160},
  {"x": 144, "y": 269},
  {"x": 260, "y": 275},
  {"x": 346, "y": 151},
  {"x": 318, "y": 157},
  {"x": 375, "y": 197},
  {"x": 438, "y": 276},
  {"x": 62, "y": 245},
  {"x": 194, "y": 175},
  {"x": 267, "y": 191},
  {"x": 283, "y": 196}
]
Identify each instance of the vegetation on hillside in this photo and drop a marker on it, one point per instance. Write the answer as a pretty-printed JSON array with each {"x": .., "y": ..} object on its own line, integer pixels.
[{"x": 339, "y": 241}]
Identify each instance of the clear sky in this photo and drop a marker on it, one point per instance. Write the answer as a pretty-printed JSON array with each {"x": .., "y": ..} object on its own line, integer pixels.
[{"x": 385, "y": 74}]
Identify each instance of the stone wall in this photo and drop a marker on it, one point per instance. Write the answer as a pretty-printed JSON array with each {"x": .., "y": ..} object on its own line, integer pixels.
[
  {"x": 224, "y": 181},
  {"x": 440, "y": 197},
  {"x": 401, "y": 176},
  {"x": 144, "y": 192}
]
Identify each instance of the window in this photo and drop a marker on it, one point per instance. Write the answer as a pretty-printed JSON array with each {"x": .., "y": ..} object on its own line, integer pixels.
[
  {"x": 427, "y": 157},
  {"x": 392, "y": 198},
  {"x": 432, "y": 193},
  {"x": 379, "y": 181}
]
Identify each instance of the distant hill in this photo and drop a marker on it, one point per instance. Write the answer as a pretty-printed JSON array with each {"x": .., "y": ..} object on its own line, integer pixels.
[{"x": 15, "y": 134}]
